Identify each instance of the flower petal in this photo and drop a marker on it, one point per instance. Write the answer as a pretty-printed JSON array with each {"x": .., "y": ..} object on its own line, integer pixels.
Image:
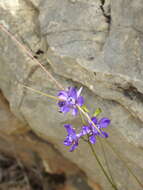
[
  {"x": 61, "y": 103},
  {"x": 67, "y": 141},
  {"x": 72, "y": 92},
  {"x": 104, "y": 122},
  {"x": 75, "y": 111},
  {"x": 104, "y": 134},
  {"x": 79, "y": 91},
  {"x": 80, "y": 100},
  {"x": 69, "y": 129},
  {"x": 65, "y": 109},
  {"x": 85, "y": 130},
  {"x": 62, "y": 95},
  {"x": 75, "y": 145},
  {"x": 92, "y": 139},
  {"x": 94, "y": 119},
  {"x": 78, "y": 135},
  {"x": 94, "y": 130}
]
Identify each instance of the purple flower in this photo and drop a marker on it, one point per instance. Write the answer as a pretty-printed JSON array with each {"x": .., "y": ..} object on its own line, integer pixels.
[
  {"x": 70, "y": 99},
  {"x": 72, "y": 138},
  {"x": 93, "y": 132}
]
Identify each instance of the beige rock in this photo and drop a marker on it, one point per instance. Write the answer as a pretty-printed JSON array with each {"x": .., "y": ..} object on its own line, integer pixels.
[{"x": 79, "y": 48}]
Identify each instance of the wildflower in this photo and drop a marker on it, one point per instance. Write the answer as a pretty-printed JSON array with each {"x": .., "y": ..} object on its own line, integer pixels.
[
  {"x": 72, "y": 138},
  {"x": 93, "y": 132},
  {"x": 70, "y": 99}
]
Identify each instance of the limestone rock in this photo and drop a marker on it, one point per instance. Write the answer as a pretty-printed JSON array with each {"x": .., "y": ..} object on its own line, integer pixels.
[
  {"x": 96, "y": 44},
  {"x": 72, "y": 28}
]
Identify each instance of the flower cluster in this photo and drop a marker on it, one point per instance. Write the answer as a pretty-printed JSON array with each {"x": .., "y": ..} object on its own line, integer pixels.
[{"x": 70, "y": 99}]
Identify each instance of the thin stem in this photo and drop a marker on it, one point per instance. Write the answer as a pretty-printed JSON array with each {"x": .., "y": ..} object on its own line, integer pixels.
[
  {"x": 106, "y": 161},
  {"x": 85, "y": 140},
  {"x": 130, "y": 171},
  {"x": 100, "y": 164},
  {"x": 29, "y": 53},
  {"x": 114, "y": 186},
  {"x": 36, "y": 61},
  {"x": 86, "y": 115},
  {"x": 94, "y": 151},
  {"x": 82, "y": 118},
  {"x": 39, "y": 92}
]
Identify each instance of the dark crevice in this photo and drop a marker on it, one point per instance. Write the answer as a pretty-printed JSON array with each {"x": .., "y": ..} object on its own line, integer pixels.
[
  {"x": 132, "y": 93},
  {"x": 3, "y": 99},
  {"x": 58, "y": 179},
  {"x": 26, "y": 82},
  {"x": 106, "y": 15},
  {"x": 38, "y": 53},
  {"x": 15, "y": 174},
  {"x": 34, "y": 136}
]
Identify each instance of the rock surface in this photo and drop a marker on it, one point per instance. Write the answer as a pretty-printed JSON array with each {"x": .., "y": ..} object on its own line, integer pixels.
[{"x": 96, "y": 44}]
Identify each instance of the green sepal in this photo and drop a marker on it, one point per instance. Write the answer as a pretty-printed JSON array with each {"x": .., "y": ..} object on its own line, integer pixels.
[
  {"x": 84, "y": 108},
  {"x": 97, "y": 112}
]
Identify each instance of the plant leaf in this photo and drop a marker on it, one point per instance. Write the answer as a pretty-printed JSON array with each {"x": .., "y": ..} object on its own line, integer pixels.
[{"x": 97, "y": 112}]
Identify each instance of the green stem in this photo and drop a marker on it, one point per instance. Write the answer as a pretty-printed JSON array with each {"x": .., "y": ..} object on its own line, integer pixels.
[
  {"x": 82, "y": 118},
  {"x": 94, "y": 153},
  {"x": 106, "y": 161},
  {"x": 87, "y": 116},
  {"x": 39, "y": 92},
  {"x": 100, "y": 164}
]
